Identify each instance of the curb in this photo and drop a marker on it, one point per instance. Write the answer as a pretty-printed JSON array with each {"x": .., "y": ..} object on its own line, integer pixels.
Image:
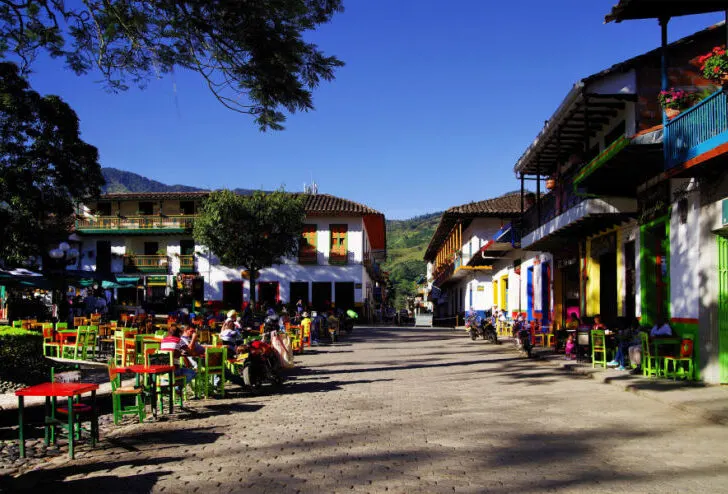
[{"x": 633, "y": 388}]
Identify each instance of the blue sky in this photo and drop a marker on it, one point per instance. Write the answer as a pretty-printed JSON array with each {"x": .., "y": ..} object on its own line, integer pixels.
[{"x": 436, "y": 103}]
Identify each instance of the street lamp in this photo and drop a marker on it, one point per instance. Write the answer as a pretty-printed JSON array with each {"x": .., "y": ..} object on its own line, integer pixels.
[{"x": 63, "y": 255}]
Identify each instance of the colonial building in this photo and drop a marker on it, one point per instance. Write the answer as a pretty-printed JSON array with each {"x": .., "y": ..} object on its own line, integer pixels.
[
  {"x": 632, "y": 216},
  {"x": 458, "y": 280},
  {"x": 146, "y": 239}
]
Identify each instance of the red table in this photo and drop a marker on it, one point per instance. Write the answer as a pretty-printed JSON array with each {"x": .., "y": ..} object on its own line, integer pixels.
[
  {"x": 155, "y": 370},
  {"x": 56, "y": 390}
]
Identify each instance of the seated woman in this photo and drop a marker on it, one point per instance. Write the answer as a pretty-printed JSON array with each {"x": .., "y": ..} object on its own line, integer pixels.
[{"x": 230, "y": 336}]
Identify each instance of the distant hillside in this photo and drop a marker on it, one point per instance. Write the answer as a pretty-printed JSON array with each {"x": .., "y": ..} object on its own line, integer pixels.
[
  {"x": 406, "y": 244},
  {"x": 123, "y": 181}
]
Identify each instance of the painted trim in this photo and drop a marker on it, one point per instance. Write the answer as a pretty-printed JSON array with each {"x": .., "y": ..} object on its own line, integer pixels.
[
  {"x": 684, "y": 320},
  {"x": 621, "y": 282}
]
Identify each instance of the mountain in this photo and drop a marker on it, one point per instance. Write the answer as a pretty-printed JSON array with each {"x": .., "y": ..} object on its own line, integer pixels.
[
  {"x": 123, "y": 181},
  {"x": 406, "y": 244}
]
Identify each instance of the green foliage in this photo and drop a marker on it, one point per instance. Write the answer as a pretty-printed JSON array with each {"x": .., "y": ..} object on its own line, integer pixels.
[
  {"x": 21, "y": 355},
  {"x": 45, "y": 167},
  {"x": 407, "y": 241},
  {"x": 251, "y": 54},
  {"x": 124, "y": 181},
  {"x": 253, "y": 231}
]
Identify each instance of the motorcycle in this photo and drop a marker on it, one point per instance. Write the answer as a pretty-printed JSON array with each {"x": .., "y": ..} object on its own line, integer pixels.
[
  {"x": 258, "y": 363},
  {"x": 487, "y": 331},
  {"x": 522, "y": 337},
  {"x": 471, "y": 326}
]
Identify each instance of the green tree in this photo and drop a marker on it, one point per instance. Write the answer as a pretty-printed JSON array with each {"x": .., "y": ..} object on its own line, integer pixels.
[
  {"x": 45, "y": 168},
  {"x": 250, "y": 53},
  {"x": 253, "y": 231}
]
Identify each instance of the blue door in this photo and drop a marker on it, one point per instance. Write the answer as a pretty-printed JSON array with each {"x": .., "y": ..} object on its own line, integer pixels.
[
  {"x": 529, "y": 293},
  {"x": 545, "y": 293}
]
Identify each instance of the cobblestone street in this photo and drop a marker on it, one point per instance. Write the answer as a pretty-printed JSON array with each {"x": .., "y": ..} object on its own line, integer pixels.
[{"x": 407, "y": 410}]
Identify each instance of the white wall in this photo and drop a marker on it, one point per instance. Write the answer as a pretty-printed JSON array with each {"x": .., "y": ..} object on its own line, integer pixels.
[
  {"x": 684, "y": 253},
  {"x": 477, "y": 234}
]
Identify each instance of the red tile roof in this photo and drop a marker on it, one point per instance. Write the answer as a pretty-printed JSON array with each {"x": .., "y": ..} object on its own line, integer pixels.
[
  {"x": 507, "y": 206},
  {"x": 316, "y": 204}
]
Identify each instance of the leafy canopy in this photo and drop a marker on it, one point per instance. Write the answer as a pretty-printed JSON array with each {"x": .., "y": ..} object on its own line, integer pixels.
[
  {"x": 251, "y": 53},
  {"x": 45, "y": 168},
  {"x": 253, "y": 231}
]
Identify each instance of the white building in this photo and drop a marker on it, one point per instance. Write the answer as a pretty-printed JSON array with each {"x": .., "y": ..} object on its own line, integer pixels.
[
  {"x": 457, "y": 256},
  {"x": 145, "y": 239}
]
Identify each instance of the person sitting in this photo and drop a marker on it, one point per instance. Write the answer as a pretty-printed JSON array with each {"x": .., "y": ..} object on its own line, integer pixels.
[
  {"x": 598, "y": 324},
  {"x": 232, "y": 316},
  {"x": 332, "y": 323},
  {"x": 190, "y": 345},
  {"x": 573, "y": 322},
  {"x": 230, "y": 336},
  {"x": 173, "y": 343}
]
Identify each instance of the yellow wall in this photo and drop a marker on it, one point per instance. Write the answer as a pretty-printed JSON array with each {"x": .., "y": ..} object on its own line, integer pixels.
[
  {"x": 592, "y": 282},
  {"x": 503, "y": 292},
  {"x": 620, "y": 273}
]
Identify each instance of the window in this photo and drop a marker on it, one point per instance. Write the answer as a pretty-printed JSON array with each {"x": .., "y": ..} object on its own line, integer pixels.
[
  {"x": 187, "y": 247},
  {"x": 187, "y": 207},
  {"x": 307, "y": 245},
  {"x": 338, "y": 252},
  {"x": 103, "y": 209},
  {"x": 146, "y": 208}
]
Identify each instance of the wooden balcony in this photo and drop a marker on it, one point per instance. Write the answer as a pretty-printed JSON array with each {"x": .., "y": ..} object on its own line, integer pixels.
[
  {"x": 308, "y": 257},
  {"x": 338, "y": 258},
  {"x": 698, "y": 131},
  {"x": 136, "y": 224},
  {"x": 187, "y": 264},
  {"x": 146, "y": 264}
]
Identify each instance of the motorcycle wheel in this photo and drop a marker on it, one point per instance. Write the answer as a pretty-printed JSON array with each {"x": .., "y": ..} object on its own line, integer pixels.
[
  {"x": 250, "y": 377},
  {"x": 473, "y": 336}
]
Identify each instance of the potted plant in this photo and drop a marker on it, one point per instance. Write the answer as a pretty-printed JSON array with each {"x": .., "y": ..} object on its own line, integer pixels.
[
  {"x": 551, "y": 182},
  {"x": 714, "y": 65},
  {"x": 673, "y": 101}
]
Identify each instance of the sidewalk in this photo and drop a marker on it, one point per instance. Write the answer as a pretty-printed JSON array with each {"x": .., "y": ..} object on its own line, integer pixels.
[{"x": 709, "y": 402}]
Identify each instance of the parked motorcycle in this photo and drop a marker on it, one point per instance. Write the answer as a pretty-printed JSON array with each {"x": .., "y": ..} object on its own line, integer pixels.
[
  {"x": 487, "y": 331},
  {"x": 258, "y": 363},
  {"x": 522, "y": 337},
  {"x": 471, "y": 326}
]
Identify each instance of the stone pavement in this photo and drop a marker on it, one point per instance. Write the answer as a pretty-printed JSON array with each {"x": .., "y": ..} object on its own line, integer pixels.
[{"x": 408, "y": 410}]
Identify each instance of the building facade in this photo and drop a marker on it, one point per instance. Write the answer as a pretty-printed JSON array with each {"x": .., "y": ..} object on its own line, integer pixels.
[{"x": 145, "y": 240}]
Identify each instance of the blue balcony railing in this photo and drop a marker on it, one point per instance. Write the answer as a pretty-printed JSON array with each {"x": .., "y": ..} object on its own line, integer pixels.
[{"x": 697, "y": 130}]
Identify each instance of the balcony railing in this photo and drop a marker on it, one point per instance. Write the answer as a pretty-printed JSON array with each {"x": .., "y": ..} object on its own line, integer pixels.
[
  {"x": 146, "y": 264},
  {"x": 308, "y": 257},
  {"x": 552, "y": 204},
  {"x": 371, "y": 266},
  {"x": 187, "y": 263},
  {"x": 697, "y": 130},
  {"x": 116, "y": 223},
  {"x": 338, "y": 258}
]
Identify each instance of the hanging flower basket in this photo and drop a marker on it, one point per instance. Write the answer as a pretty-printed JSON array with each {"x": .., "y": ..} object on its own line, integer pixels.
[{"x": 550, "y": 183}]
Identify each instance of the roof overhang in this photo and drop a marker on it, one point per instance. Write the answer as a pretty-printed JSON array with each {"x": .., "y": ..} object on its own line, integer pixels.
[
  {"x": 656, "y": 9},
  {"x": 623, "y": 166},
  {"x": 581, "y": 114},
  {"x": 377, "y": 230},
  {"x": 590, "y": 216}
]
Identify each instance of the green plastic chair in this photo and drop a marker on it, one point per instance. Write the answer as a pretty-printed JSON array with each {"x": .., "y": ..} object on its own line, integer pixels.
[
  {"x": 213, "y": 365},
  {"x": 167, "y": 358},
  {"x": 598, "y": 348},
  {"x": 682, "y": 365},
  {"x": 18, "y": 324},
  {"x": 77, "y": 349},
  {"x": 61, "y": 325},
  {"x": 92, "y": 338},
  {"x": 650, "y": 362},
  {"x": 118, "y": 392}
]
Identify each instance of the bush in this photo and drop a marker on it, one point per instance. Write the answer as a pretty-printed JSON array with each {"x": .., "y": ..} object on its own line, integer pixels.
[{"x": 21, "y": 356}]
